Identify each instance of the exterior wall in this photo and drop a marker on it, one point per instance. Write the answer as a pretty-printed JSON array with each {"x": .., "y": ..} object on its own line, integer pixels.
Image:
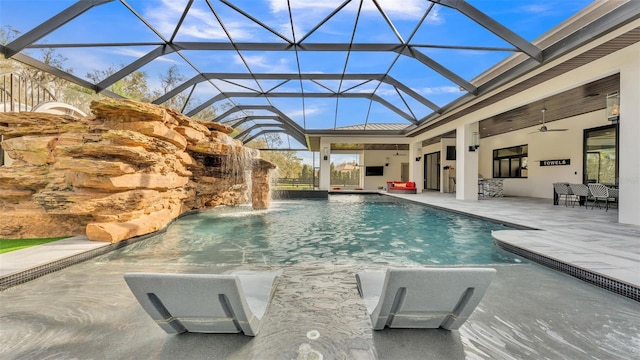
[
  {"x": 369, "y": 158},
  {"x": 543, "y": 146},
  {"x": 391, "y": 172}
]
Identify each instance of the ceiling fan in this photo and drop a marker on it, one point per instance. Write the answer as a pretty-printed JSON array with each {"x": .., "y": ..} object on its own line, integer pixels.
[
  {"x": 398, "y": 152},
  {"x": 544, "y": 128}
]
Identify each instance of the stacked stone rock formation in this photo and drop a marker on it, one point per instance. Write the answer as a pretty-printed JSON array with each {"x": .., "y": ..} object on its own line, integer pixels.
[{"x": 128, "y": 170}]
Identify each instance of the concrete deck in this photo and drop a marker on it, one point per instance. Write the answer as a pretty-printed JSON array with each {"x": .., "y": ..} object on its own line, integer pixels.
[{"x": 529, "y": 311}]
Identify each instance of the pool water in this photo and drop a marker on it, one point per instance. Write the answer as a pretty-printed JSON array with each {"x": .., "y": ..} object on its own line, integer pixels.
[{"x": 371, "y": 229}]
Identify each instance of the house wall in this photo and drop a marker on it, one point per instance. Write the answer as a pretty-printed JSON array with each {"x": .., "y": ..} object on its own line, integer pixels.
[
  {"x": 543, "y": 146},
  {"x": 391, "y": 172}
]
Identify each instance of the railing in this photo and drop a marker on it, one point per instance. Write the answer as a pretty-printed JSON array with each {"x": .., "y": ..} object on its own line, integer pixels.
[
  {"x": 18, "y": 93},
  {"x": 304, "y": 184},
  {"x": 294, "y": 184}
]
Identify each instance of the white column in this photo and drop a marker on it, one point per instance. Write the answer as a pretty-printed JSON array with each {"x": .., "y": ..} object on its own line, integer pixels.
[
  {"x": 325, "y": 165},
  {"x": 467, "y": 163},
  {"x": 416, "y": 167},
  {"x": 629, "y": 171},
  {"x": 446, "y": 175}
]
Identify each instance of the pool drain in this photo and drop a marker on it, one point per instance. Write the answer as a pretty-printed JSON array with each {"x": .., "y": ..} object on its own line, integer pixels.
[{"x": 313, "y": 334}]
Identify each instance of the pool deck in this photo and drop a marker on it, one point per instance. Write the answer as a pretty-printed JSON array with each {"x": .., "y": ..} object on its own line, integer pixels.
[
  {"x": 589, "y": 239},
  {"x": 584, "y": 238}
]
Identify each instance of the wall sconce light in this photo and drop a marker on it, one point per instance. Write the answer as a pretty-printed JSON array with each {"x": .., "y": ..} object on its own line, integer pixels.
[
  {"x": 475, "y": 141},
  {"x": 386, "y": 162},
  {"x": 613, "y": 107},
  {"x": 325, "y": 153},
  {"x": 418, "y": 154}
]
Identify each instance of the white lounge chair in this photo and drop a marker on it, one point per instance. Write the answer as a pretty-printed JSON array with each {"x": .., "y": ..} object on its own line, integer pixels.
[
  {"x": 204, "y": 303},
  {"x": 422, "y": 297}
]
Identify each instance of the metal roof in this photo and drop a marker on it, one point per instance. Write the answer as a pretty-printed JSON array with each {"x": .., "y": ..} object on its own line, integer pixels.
[{"x": 301, "y": 67}]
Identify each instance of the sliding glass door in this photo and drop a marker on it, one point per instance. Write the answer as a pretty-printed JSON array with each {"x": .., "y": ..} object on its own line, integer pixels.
[
  {"x": 601, "y": 155},
  {"x": 432, "y": 171}
]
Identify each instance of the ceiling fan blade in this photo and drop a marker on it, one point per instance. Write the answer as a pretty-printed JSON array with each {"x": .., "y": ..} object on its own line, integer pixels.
[{"x": 544, "y": 130}]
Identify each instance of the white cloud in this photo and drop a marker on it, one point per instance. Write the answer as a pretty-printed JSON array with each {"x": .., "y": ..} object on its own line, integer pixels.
[
  {"x": 438, "y": 90},
  {"x": 434, "y": 17},
  {"x": 261, "y": 63},
  {"x": 537, "y": 8},
  {"x": 406, "y": 8},
  {"x": 136, "y": 54},
  {"x": 310, "y": 5},
  {"x": 298, "y": 113},
  {"x": 200, "y": 23}
]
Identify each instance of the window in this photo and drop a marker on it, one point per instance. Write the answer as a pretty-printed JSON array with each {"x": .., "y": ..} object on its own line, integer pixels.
[{"x": 510, "y": 162}]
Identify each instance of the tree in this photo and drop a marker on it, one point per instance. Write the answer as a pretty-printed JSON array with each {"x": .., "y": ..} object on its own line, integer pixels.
[
  {"x": 61, "y": 90},
  {"x": 133, "y": 86},
  {"x": 289, "y": 165},
  {"x": 306, "y": 173}
]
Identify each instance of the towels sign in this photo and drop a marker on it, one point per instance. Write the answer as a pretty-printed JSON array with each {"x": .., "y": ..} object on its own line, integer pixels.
[{"x": 555, "y": 162}]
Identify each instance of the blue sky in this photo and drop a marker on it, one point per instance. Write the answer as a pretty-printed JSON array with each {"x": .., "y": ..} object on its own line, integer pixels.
[{"x": 113, "y": 22}]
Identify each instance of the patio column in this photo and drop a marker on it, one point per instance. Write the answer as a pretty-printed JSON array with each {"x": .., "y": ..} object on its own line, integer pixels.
[
  {"x": 467, "y": 162},
  {"x": 416, "y": 168},
  {"x": 629, "y": 144},
  {"x": 447, "y": 175},
  {"x": 325, "y": 165}
]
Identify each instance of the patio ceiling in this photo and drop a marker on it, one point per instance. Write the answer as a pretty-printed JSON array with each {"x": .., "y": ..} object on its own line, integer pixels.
[{"x": 304, "y": 68}]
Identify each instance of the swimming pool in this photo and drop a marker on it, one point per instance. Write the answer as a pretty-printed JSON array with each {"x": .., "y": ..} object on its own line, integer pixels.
[
  {"x": 370, "y": 229},
  {"x": 87, "y": 310}
]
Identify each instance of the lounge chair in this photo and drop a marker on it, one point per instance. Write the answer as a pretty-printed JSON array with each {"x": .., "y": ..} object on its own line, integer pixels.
[
  {"x": 204, "y": 303},
  {"x": 422, "y": 297}
]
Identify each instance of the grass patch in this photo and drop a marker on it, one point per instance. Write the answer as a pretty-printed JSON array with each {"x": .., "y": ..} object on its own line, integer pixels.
[{"x": 7, "y": 245}]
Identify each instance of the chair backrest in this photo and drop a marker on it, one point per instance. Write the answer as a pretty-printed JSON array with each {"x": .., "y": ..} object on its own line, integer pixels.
[
  {"x": 561, "y": 188},
  {"x": 430, "y": 297},
  {"x": 580, "y": 189},
  {"x": 614, "y": 193},
  {"x": 599, "y": 190},
  {"x": 204, "y": 303}
]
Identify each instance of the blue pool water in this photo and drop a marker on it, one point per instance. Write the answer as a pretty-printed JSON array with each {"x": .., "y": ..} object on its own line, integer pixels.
[{"x": 347, "y": 228}]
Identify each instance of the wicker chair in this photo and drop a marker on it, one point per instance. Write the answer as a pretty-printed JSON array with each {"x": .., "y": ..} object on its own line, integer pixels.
[
  {"x": 599, "y": 192},
  {"x": 580, "y": 191},
  {"x": 614, "y": 195},
  {"x": 563, "y": 189}
]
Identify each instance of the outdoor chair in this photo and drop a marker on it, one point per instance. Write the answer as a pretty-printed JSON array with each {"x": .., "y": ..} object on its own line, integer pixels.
[
  {"x": 204, "y": 303},
  {"x": 599, "y": 192},
  {"x": 614, "y": 195},
  {"x": 563, "y": 189},
  {"x": 580, "y": 192},
  {"x": 425, "y": 298}
]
